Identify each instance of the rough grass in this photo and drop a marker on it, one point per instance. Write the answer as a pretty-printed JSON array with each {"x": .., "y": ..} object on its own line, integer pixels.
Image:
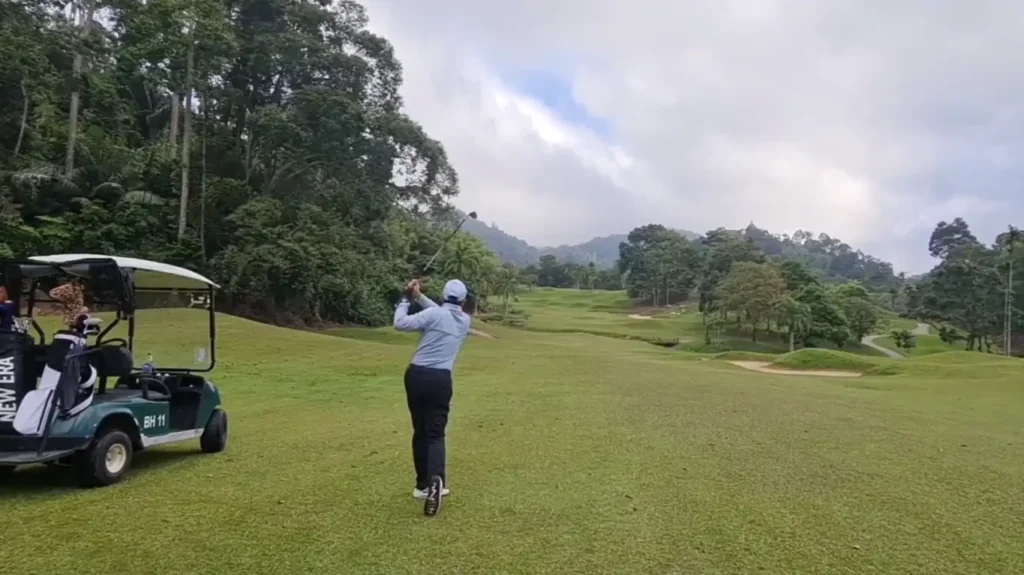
[{"x": 567, "y": 453}]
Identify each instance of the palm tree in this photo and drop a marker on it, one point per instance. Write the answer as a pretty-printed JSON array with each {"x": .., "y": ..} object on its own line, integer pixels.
[
  {"x": 797, "y": 315},
  {"x": 506, "y": 284}
]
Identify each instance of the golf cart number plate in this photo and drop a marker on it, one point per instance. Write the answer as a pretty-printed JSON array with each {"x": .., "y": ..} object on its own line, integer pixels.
[{"x": 151, "y": 421}]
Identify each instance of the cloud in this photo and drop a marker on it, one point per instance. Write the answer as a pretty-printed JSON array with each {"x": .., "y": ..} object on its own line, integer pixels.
[{"x": 869, "y": 120}]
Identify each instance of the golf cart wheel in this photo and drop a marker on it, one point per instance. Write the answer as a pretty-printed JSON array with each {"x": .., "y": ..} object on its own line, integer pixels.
[
  {"x": 215, "y": 436},
  {"x": 107, "y": 461}
]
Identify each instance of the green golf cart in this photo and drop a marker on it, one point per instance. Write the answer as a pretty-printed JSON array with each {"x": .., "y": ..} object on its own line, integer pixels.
[{"x": 81, "y": 399}]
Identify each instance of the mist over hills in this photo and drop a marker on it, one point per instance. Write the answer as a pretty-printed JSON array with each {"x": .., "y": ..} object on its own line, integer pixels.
[{"x": 603, "y": 251}]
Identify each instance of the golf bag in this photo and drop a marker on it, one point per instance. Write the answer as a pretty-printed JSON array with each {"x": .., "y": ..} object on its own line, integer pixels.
[
  {"x": 16, "y": 378},
  {"x": 68, "y": 383}
]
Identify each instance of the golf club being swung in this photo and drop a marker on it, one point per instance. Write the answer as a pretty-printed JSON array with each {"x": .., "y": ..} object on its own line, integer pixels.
[
  {"x": 430, "y": 262},
  {"x": 448, "y": 239}
]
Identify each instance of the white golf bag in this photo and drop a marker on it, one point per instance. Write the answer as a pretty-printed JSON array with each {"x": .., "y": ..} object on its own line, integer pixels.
[{"x": 73, "y": 391}]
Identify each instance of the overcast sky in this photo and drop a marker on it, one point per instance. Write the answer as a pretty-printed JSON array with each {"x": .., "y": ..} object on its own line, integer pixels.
[{"x": 869, "y": 120}]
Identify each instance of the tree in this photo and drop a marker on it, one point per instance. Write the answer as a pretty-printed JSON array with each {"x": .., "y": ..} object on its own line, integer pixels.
[
  {"x": 862, "y": 317},
  {"x": 904, "y": 340},
  {"x": 656, "y": 263},
  {"x": 754, "y": 291},
  {"x": 317, "y": 196},
  {"x": 828, "y": 323},
  {"x": 966, "y": 291},
  {"x": 720, "y": 250},
  {"x": 950, "y": 237},
  {"x": 796, "y": 317},
  {"x": 949, "y": 336},
  {"x": 551, "y": 273},
  {"x": 506, "y": 283}
]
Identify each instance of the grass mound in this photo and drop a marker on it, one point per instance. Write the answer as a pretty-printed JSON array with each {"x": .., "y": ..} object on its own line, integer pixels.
[
  {"x": 744, "y": 356},
  {"x": 823, "y": 359}
]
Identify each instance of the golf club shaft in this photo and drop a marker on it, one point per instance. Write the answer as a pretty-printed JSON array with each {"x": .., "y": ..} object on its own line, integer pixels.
[{"x": 445, "y": 243}]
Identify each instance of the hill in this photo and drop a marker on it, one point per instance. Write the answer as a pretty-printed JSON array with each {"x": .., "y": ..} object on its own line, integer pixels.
[{"x": 603, "y": 251}]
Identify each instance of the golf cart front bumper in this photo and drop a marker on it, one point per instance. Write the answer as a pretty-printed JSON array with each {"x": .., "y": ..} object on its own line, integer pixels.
[{"x": 20, "y": 450}]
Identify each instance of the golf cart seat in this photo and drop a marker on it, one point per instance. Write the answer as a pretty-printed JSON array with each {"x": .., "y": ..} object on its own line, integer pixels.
[
  {"x": 111, "y": 361},
  {"x": 153, "y": 388},
  {"x": 117, "y": 361}
]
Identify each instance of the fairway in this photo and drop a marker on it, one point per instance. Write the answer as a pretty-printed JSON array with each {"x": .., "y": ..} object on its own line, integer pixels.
[
  {"x": 611, "y": 314},
  {"x": 567, "y": 453}
]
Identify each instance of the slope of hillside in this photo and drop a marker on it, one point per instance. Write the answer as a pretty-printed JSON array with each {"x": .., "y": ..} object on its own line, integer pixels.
[{"x": 603, "y": 251}]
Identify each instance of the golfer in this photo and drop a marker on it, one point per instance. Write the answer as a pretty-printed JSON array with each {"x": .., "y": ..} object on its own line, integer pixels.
[{"x": 428, "y": 382}]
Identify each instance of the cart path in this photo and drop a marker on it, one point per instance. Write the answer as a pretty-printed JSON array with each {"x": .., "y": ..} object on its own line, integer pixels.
[{"x": 869, "y": 340}]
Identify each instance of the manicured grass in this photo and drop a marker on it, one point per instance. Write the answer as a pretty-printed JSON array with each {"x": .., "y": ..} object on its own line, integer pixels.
[{"x": 567, "y": 453}]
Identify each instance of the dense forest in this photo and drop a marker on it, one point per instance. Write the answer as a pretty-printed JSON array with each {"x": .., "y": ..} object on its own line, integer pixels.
[{"x": 259, "y": 141}]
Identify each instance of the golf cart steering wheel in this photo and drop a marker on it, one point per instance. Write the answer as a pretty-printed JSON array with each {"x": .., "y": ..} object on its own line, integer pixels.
[{"x": 119, "y": 341}]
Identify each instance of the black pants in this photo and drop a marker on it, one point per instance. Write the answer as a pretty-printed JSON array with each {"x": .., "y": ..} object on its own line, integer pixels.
[{"x": 429, "y": 393}]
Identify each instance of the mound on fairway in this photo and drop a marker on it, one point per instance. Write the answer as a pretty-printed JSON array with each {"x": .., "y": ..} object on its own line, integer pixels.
[
  {"x": 566, "y": 453},
  {"x": 744, "y": 356},
  {"x": 822, "y": 360}
]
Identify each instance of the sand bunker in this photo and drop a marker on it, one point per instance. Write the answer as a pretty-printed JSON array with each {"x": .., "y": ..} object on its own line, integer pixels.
[
  {"x": 638, "y": 316},
  {"x": 765, "y": 367}
]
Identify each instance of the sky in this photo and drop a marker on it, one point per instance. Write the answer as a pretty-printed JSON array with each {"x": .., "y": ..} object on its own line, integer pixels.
[{"x": 868, "y": 120}]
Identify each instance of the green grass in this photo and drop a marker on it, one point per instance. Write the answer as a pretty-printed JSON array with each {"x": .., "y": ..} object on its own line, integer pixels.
[{"x": 567, "y": 453}]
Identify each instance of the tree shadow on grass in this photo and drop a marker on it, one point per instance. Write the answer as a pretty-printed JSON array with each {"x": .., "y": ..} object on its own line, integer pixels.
[{"x": 48, "y": 480}]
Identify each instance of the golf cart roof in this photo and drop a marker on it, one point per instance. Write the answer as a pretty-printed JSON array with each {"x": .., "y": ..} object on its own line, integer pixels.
[{"x": 148, "y": 274}]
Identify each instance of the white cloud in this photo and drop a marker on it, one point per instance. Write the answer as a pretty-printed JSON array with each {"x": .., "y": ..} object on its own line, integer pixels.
[{"x": 865, "y": 119}]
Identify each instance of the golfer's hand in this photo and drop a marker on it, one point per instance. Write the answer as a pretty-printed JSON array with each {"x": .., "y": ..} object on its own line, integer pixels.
[{"x": 414, "y": 289}]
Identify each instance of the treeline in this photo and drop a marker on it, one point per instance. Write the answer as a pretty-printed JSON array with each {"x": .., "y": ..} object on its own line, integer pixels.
[
  {"x": 736, "y": 283},
  {"x": 260, "y": 142},
  {"x": 975, "y": 295}
]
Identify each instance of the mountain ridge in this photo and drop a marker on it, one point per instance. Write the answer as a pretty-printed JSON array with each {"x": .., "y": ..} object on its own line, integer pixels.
[{"x": 602, "y": 250}]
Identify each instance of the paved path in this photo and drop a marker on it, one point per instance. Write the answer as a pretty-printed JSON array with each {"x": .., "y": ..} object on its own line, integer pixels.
[{"x": 921, "y": 329}]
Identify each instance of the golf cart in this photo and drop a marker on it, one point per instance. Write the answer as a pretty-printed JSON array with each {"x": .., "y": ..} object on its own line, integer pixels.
[{"x": 80, "y": 399}]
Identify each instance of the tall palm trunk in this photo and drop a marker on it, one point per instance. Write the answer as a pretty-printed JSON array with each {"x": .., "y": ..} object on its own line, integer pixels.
[
  {"x": 175, "y": 118},
  {"x": 186, "y": 137},
  {"x": 24, "y": 119},
  {"x": 76, "y": 73},
  {"x": 202, "y": 189}
]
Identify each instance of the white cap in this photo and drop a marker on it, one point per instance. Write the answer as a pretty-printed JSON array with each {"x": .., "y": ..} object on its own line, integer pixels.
[{"x": 455, "y": 289}]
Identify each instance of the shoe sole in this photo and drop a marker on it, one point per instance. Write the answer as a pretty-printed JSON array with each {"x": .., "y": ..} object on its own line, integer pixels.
[{"x": 432, "y": 505}]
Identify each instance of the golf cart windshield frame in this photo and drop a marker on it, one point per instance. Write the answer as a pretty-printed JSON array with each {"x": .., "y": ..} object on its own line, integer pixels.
[{"x": 114, "y": 279}]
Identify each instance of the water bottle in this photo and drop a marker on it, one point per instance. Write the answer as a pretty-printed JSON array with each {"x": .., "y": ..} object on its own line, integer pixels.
[{"x": 147, "y": 368}]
